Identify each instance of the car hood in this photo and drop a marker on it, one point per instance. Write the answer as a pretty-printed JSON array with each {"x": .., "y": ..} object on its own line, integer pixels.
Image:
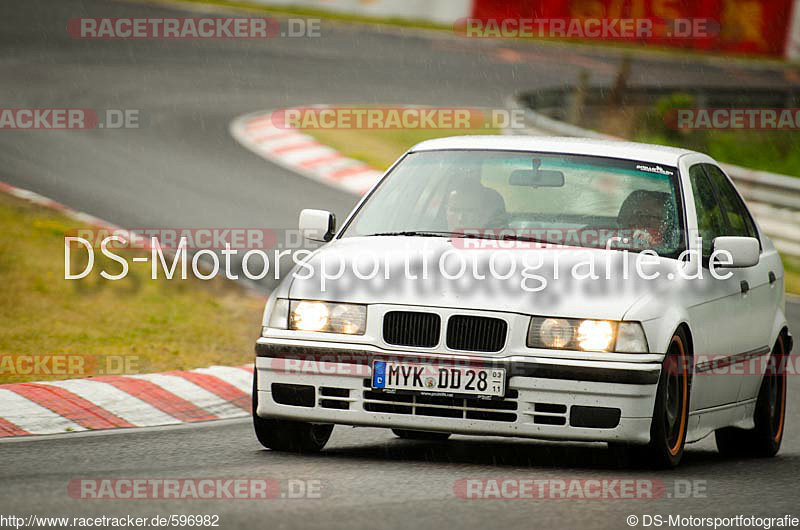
[{"x": 424, "y": 272}]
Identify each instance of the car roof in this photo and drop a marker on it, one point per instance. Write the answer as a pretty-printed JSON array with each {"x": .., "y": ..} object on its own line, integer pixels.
[{"x": 553, "y": 144}]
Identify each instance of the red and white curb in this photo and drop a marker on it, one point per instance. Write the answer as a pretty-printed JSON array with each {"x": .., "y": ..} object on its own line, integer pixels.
[
  {"x": 205, "y": 264},
  {"x": 111, "y": 402},
  {"x": 300, "y": 153},
  {"x": 41, "y": 200},
  {"x": 82, "y": 217}
]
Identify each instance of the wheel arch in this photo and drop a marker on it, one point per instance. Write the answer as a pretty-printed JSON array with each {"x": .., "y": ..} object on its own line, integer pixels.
[
  {"x": 780, "y": 328},
  {"x": 690, "y": 340},
  {"x": 787, "y": 337},
  {"x": 684, "y": 326}
]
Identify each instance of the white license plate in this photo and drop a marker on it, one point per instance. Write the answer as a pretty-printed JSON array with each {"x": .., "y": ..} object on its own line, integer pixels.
[{"x": 390, "y": 375}]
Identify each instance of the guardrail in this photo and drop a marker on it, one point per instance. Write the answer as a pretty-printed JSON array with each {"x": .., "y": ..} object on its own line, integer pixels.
[{"x": 774, "y": 199}]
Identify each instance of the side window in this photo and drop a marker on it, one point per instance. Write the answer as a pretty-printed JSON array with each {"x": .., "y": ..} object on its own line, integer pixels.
[
  {"x": 709, "y": 214},
  {"x": 739, "y": 221}
]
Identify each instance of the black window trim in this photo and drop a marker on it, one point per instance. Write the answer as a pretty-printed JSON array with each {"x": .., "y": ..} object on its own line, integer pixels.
[
  {"x": 706, "y": 260},
  {"x": 722, "y": 207}
]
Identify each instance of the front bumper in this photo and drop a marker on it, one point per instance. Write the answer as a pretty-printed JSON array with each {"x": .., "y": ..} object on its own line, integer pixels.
[{"x": 546, "y": 398}]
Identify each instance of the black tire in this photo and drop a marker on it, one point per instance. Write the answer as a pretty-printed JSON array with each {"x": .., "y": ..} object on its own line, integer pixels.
[
  {"x": 286, "y": 435},
  {"x": 421, "y": 435},
  {"x": 669, "y": 426},
  {"x": 763, "y": 441}
]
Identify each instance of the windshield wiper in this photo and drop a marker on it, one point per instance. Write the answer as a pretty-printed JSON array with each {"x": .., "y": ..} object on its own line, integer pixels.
[
  {"x": 416, "y": 233},
  {"x": 464, "y": 235},
  {"x": 524, "y": 239},
  {"x": 435, "y": 233}
]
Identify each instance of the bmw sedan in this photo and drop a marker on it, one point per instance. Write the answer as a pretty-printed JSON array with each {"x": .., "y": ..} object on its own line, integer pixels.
[{"x": 550, "y": 288}]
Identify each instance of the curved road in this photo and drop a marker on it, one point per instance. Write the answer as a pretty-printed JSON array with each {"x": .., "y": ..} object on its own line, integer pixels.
[{"x": 182, "y": 169}]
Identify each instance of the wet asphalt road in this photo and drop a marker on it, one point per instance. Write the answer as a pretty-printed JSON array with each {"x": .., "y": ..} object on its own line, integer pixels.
[{"x": 370, "y": 479}]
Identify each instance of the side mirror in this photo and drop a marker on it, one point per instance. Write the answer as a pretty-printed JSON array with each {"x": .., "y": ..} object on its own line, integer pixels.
[
  {"x": 317, "y": 225},
  {"x": 744, "y": 251}
]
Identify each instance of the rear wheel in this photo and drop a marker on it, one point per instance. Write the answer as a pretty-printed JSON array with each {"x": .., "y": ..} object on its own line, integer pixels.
[
  {"x": 286, "y": 435},
  {"x": 671, "y": 411},
  {"x": 770, "y": 415},
  {"x": 421, "y": 435}
]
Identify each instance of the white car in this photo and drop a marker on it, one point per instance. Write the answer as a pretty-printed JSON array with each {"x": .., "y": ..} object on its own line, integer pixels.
[{"x": 552, "y": 288}]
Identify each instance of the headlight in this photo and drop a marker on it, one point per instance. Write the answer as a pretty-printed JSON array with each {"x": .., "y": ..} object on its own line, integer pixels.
[
  {"x": 586, "y": 335},
  {"x": 556, "y": 332},
  {"x": 596, "y": 335},
  {"x": 348, "y": 319}
]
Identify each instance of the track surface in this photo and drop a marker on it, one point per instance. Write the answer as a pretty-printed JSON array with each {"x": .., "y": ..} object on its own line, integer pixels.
[{"x": 182, "y": 169}]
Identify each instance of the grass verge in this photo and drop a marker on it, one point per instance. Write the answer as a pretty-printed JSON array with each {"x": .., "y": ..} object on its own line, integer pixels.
[
  {"x": 135, "y": 324},
  {"x": 776, "y": 151},
  {"x": 308, "y": 12},
  {"x": 792, "y": 268},
  {"x": 773, "y": 151},
  {"x": 381, "y": 148}
]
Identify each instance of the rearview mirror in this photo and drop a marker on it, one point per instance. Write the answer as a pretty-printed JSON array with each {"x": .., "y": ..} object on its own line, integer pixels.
[
  {"x": 317, "y": 225},
  {"x": 744, "y": 251},
  {"x": 537, "y": 178}
]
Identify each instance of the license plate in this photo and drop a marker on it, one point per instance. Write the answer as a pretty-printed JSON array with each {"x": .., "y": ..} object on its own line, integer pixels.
[{"x": 389, "y": 375}]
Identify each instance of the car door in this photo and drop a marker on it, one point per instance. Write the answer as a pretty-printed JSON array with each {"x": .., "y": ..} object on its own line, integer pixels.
[
  {"x": 754, "y": 308},
  {"x": 713, "y": 319}
]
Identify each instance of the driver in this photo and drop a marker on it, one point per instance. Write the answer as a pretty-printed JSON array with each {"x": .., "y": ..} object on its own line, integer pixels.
[{"x": 475, "y": 207}]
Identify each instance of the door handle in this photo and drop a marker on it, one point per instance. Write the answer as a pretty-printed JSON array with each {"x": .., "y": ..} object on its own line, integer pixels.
[
  {"x": 745, "y": 287},
  {"x": 772, "y": 277}
]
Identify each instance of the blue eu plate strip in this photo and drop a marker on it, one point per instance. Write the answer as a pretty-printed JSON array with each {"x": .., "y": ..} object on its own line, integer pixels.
[{"x": 379, "y": 374}]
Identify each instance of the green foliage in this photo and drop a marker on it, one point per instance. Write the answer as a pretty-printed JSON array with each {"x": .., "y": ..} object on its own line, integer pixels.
[{"x": 777, "y": 151}]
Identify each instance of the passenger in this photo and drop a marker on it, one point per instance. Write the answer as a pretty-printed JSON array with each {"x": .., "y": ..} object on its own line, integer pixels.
[{"x": 643, "y": 217}]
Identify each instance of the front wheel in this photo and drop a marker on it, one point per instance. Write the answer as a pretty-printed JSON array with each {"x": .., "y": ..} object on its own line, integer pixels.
[
  {"x": 671, "y": 411},
  {"x": 770, "y": 415},
  {"x": 286, "y": 435}
]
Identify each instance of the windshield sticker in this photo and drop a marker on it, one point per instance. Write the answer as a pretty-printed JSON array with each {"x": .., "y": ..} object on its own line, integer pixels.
[{"x": 654, "y": 169}]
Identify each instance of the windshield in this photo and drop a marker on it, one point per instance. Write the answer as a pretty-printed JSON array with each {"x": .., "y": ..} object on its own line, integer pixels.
[{"x": 561, "y": 199}]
